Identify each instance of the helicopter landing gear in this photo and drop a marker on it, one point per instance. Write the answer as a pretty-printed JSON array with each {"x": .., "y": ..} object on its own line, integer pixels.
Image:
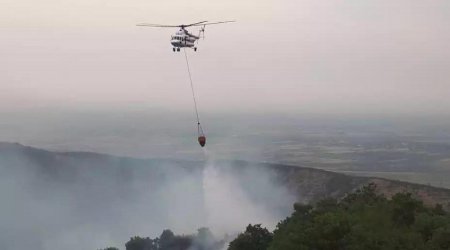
[
  {"x": 173, "y": 49},
  {"x": 178, "y": 49},
  {"x": 195, "y": 48}
]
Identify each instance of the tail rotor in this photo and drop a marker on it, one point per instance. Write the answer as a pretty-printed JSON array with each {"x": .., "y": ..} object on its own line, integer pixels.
[{"x": 202, "y": 32}]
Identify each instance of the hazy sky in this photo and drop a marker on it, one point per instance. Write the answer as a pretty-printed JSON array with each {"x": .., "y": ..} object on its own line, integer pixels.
[{"x": 287, "y": 55}]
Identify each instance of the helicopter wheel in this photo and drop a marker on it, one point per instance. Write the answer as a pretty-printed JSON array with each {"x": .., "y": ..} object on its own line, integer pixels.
[
  {"x": 178, "y": 49},
  {"x": 173, "y": 49},
  {"x": 195, "y": 48}
]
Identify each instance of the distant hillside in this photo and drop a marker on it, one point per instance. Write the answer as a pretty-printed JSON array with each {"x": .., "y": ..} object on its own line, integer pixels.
[
  {"x": 311, "y": 184},
  {"x": 307, "y": 184}
]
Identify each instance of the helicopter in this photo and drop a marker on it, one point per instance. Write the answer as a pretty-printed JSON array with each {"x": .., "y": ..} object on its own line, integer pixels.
[{"x": 182, "y": 38}]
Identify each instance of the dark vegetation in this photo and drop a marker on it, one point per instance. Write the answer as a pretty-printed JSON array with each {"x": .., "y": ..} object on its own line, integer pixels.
[
  {"x": 254, "y": 238},
  {"x": 203, "y": 240},
  {"x": 361, "y": 220}
]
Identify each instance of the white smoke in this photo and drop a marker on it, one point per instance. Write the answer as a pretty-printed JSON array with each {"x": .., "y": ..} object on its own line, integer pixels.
[
  {"x": 95, "y": 203},
  {"x": 229, "y": 208}
]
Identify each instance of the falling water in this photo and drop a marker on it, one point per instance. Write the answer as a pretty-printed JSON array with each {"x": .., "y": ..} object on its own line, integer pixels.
[{"x": 228, "y": 209}]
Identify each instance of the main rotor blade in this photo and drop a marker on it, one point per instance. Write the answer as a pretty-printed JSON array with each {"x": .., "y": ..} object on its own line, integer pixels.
[
  {"x": 157, "y": 25},
  {"x": 182, "y": 25},
  {"x": 231, "y": 21},
  {"x": 194, "y": 24}
]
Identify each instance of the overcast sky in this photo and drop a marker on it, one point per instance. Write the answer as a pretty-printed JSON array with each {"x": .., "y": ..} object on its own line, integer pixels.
[{"x": 371, "y": 56}]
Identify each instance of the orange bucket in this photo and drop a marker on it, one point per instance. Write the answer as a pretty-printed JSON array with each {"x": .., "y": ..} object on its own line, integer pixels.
[{"x": 202, "y": 140}]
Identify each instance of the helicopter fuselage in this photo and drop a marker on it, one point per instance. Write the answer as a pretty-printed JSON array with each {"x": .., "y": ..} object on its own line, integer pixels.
[{"x": 183, "y": 39}]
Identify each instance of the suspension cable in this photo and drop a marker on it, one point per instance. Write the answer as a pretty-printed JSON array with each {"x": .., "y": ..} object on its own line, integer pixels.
[{"x": 200, "y": 130}]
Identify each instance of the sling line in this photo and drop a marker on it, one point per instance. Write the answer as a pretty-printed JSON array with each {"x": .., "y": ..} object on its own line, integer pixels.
[{"x": 199, "y": 126}]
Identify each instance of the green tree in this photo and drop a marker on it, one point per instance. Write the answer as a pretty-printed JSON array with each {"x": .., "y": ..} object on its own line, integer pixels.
[
  {"x": 169, "y": 241},
  {"x": 166, "y": 240},
  {"x": 364, "y": 220},
  {"x": 405, "y": 208},
  {"x": 254, "y": 238},
  {"x": 441, "y": 238},
  {"x": 138, "y": 243},
  {"x": 181, "y": 242}
]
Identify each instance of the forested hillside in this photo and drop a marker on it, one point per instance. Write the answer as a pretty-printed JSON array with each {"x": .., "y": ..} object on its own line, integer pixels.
[{"x": 362, "y": 220}]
